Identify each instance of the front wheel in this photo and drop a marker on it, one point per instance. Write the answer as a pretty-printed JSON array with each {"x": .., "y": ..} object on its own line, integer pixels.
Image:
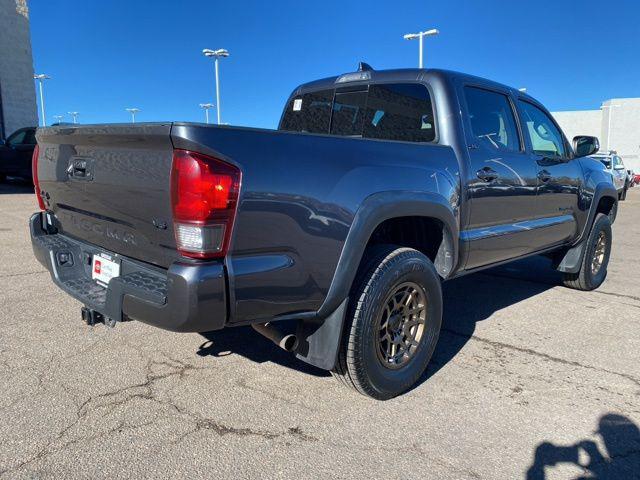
[
  {"x": 593, "y": 269},
  {"x": 393, "y": 323}
]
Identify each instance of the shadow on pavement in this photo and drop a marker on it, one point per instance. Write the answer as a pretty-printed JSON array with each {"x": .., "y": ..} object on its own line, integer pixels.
[
  {"x": 474, "y": 298},
  {"x": 467, "y": 301},
  {"x": 620, "y": 460},
  {"x": 15, "y": 185},
  {"x": 247, "y": 342}
]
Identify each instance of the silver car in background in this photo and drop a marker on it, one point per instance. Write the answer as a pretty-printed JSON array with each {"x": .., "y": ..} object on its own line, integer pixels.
[{"x": 618, "y": 171}]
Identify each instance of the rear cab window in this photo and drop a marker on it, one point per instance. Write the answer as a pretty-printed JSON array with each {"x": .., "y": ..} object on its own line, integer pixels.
[
  {"x": 394, "y": 111},
  {"x": 310, "y": 113}
]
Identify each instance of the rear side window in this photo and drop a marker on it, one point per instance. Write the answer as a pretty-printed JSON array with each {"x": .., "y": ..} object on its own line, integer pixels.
[
  {"x": 30, "y": 138},
  {"x": 399, "y": 112},
  {"x": 309, "y": 113},
  {"x": 546, "y": 139},
  {"x": 492, "y": 121}
]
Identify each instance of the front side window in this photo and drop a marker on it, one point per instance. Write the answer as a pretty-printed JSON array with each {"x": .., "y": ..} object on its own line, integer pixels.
[
  {"x": 492, "y": 121},
  {"x": 309, "y": 113},
  {"x": 17, "y": 138},
  {"x": 545, "y": 137},
  {"x": 399, "y": 112}
]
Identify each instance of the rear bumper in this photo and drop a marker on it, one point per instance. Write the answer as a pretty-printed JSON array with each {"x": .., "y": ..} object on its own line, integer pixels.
[{"x": 185, "y": 298}]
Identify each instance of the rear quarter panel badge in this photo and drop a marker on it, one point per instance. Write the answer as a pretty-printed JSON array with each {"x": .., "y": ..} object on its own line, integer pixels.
[{"x": 161, "y": 224}]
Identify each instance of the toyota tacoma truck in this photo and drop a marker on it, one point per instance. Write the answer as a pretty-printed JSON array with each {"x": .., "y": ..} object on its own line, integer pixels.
[{"x": 331, "y": 235}]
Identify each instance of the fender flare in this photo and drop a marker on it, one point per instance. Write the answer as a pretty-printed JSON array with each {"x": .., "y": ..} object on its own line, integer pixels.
[
  {"x": 571, "y": 261},
  {"x": 320, "y": 336}
]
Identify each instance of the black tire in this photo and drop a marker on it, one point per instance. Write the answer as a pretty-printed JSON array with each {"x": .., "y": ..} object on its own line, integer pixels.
[
  {"x": 613, "y": 213},
  {"x": 623, "y": 196},
  {"x": 360, "y": 364},
  {"x": 586, "y": 278}
]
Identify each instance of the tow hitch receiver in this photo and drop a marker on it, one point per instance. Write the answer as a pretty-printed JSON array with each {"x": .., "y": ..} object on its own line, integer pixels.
[{"x": 91, "y": 317}]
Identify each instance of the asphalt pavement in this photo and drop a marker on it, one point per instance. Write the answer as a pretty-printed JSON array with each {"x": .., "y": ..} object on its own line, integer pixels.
[{"x": 529, "y": 378}]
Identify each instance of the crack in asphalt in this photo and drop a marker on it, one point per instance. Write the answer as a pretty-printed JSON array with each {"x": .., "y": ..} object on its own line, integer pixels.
[
  {"x": 544, "y": 356},
  {"x": 619, "y": 295},
  {"x": 21, "y": 274},
  {"x": 145, "y": 390}
]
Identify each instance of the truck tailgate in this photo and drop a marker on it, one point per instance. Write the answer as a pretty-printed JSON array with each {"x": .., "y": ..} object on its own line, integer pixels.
[{"x": 109, "y": 185}]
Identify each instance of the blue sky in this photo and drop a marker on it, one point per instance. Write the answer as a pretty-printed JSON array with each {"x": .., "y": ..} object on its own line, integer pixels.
[{"x": 104, "y": 56}]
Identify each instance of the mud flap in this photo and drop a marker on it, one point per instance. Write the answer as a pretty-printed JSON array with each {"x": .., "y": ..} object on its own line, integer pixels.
[
  {"x": 571, "y": 261},
  {"x": 319, "y": 340}
]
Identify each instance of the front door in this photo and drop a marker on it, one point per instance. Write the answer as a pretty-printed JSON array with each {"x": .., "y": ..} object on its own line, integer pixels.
[
  {"x": 501, "y": 183},
  {"x": 560, "y": 178}
]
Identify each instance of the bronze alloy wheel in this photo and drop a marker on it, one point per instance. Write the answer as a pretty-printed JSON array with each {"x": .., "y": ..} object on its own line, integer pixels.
[
  {"x": 401, "y": 325},
  {"x": 599, "y": 253}
]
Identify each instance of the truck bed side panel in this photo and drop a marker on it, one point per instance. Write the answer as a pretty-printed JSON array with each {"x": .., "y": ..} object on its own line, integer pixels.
[{"x": 299, "y": 195}]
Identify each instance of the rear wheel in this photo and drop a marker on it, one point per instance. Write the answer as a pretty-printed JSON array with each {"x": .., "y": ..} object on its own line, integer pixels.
[
  {"x": 593, "y": 269},
  {"x": 393, "y": 323}
]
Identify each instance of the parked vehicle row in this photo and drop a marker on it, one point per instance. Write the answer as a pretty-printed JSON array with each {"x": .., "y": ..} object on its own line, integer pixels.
[
  {"x": 377, "y": 187},
  {"x": 615, "y": 166}
]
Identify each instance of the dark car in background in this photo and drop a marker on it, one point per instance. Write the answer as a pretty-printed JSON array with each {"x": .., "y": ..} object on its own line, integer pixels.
[{"x": 16, "y": 153}]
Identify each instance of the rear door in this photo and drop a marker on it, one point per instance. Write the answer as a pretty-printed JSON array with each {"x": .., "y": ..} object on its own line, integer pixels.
[
  {"x": 502, "y": 180},
  {"x": 560, "y": 177},
  {"x": 109, "y": 185}
]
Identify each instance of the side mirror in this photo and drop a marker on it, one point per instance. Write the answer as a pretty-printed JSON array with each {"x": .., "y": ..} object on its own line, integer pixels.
[{"x": 583, "y": 145}]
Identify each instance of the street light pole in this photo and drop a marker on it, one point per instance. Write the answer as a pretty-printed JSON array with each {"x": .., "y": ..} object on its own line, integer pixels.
[
  {"x": 206, "y": 107},
  {"x": 420, "y": 36},
  {"x": 133, "y": 112},
  {"x": 74, "y": 115},
  {"x": 611, "y": 106},
  {"x": 41, "y": 77},
  {"x": 216, "y": 54}
]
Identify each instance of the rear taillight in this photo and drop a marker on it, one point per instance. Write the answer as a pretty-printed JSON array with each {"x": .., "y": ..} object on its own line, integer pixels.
[
  {"x": 34, "y": 175},
  {"x": 204, "y": 197}
]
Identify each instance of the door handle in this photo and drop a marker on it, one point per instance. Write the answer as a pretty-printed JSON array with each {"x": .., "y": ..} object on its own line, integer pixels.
[
  {"x": 487, "y": 174},
  {"x": 544, "y": 175}
]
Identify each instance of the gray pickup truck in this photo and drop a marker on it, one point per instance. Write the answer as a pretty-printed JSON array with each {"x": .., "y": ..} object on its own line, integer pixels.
[{"x": 377, "y": 186}]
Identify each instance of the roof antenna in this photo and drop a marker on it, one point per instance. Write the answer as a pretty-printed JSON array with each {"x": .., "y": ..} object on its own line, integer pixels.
[{"x": 364, "y": 67}]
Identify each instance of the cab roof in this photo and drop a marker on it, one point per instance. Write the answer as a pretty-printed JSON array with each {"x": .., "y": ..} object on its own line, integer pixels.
[{"x": 404, "y": 74}]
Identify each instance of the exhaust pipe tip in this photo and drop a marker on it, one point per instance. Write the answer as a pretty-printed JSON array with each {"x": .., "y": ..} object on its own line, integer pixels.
[
  {"x": 289, "y": 343},
  {"x": 286, "y": 341}
]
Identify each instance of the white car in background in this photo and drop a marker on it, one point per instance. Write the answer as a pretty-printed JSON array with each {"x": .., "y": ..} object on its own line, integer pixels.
[{"x": 618, "y": 171}]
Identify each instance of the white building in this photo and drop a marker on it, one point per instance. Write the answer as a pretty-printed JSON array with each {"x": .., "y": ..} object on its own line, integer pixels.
[
  {"x": 616, "y": 124},
  {"x": 17, "y": 89}
]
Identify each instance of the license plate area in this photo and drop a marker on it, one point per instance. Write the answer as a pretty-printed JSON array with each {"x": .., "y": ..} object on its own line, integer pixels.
[{"x": 104, "y": 267}]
